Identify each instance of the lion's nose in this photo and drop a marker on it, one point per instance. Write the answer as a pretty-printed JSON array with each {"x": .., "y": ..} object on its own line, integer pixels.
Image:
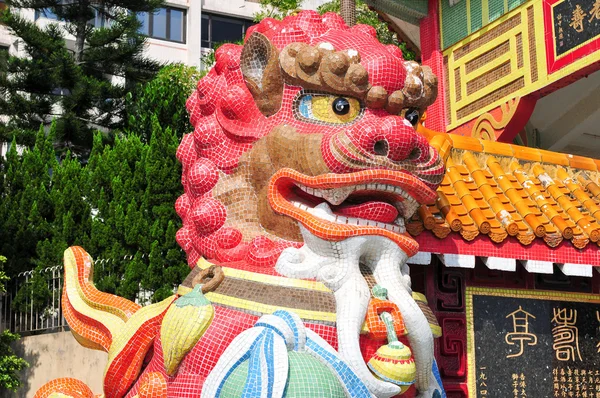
[{"x": 392, "y": 137}]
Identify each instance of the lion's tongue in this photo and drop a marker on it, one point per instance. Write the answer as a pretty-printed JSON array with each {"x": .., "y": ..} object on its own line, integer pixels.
[{"x": 376, "y": 211}]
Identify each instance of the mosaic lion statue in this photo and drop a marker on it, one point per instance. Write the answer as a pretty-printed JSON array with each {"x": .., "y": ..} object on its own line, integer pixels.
[{"x": 299, "y": 175}]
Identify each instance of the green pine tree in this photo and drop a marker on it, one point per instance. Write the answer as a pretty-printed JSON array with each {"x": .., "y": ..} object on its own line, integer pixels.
[
  {"x": 133, "y": 186},
  {"x": 72, "y": 71},
  {"x": 118, "y": 228},
  {"x": 26, "y": 209},
  {"x": 167, "y": 265}
]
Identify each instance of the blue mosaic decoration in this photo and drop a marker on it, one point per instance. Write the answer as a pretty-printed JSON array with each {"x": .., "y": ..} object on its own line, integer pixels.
[{"x": 277, "y": 356}]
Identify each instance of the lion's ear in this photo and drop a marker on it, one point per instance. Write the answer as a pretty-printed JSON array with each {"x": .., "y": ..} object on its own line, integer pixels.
[{"x": 262, "y": 73}]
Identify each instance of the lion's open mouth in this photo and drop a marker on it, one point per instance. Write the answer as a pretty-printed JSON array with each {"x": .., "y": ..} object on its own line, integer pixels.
[
  {"x": 379, "y": 205},
  {"x": 337, "y": 206}
]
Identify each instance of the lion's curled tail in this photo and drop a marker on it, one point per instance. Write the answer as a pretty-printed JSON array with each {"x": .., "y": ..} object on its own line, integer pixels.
[{"x": 105, "y": 322}]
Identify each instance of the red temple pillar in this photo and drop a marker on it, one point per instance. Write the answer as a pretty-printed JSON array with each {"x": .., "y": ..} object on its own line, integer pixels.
[{"x": 431, "y": 55}]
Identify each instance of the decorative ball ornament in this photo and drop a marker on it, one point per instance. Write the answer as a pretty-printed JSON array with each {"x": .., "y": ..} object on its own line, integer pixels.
[{"x": 394, "y": 363}]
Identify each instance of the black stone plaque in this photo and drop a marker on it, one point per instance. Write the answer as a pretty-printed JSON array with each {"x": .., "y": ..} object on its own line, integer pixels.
[
  {"x": 533, "y": 344},
  {"x": 575, "y": 22}
]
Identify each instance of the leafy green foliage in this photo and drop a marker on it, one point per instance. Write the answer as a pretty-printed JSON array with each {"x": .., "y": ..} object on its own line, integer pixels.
[
  {"x": 3, "y": 277},
  {"x": 42, "y": 211},
  {"x": 164, "y": 98},
  {"x": 10, "y": 364},
  {"x": 277, "y": 9},
  {"x": 364, "y": 15},
  {"x": 81, "y": 85},
  {"x": 121, "y": 203},
  {"x": 28, "y": 210},
  {"x": 134, "y": 186}
]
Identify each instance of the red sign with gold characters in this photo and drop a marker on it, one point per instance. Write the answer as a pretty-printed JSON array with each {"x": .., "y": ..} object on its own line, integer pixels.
[{"x": 572, "y": 31}]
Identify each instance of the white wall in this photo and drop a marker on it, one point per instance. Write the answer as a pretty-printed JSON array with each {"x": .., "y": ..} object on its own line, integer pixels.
[
  {"x": 5, "y": 38},
  {"x": 55, "y": 355},
  {"x": 234, "y": 8}
]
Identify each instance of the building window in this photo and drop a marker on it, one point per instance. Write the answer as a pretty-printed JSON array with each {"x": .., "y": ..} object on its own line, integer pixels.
[
  {"x": 218, "y": 29},
  {"x": 100, "y": 20},
  {"x": 165, "y": 24}
]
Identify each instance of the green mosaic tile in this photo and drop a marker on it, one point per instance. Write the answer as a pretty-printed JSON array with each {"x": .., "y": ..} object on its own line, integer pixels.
[
  {"x": 476, "y": 15},
  {"x": 307, "y": 378},
  {"x": 495, "y": 9},
  {"x": 454, "y": 22}
]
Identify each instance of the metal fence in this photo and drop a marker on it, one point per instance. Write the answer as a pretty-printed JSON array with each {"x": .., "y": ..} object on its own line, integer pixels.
[
  {"x": 32, "y": 316},
  {"x": 28, "y": 318}
]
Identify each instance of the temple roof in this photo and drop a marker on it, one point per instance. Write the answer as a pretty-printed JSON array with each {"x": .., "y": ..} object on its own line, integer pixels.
[{"x": 510, "y": 201}]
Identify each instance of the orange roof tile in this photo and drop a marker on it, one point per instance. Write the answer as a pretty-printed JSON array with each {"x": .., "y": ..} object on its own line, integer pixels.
[{"x": 501, "y": 190}]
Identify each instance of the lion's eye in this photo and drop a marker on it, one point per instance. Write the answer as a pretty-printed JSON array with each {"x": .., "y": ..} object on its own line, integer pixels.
[
  {"x": 412, "y": 115},
  {"x": 341, "y": 106},
  {"x": 326, "y": 108}
]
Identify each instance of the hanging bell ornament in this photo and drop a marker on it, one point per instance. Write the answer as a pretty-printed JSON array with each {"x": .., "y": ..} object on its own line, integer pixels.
[{"x": 392, "y": 362}]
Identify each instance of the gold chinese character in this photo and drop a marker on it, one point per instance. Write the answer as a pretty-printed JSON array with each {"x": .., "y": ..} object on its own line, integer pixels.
[
  {"x": 565, "y": 334},
  {"x": 595, "y": 11},
  {"x": 520, "y": 331},
  {"x": 577, "y": 19}
]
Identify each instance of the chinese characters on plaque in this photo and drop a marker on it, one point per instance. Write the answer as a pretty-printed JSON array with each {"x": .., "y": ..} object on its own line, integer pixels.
[
  {"x": 565, "y": 334},
  {"x": 518, "y": 384},
  {"x": 576, "y": 382},
  {"x": 533, "y": 344},
  {"x": 520, "y": 333},
  {"x": 575, "y": 23}
]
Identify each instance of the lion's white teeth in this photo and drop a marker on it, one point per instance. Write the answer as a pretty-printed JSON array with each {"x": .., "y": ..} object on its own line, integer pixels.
[
  {"x": 337, "y": 196},
  {"x": 323, "y": 211},
  {"x": 399, "y": 222},
  {"x": 407, "y": 207},
  {"x": 410, "y": 208}
]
